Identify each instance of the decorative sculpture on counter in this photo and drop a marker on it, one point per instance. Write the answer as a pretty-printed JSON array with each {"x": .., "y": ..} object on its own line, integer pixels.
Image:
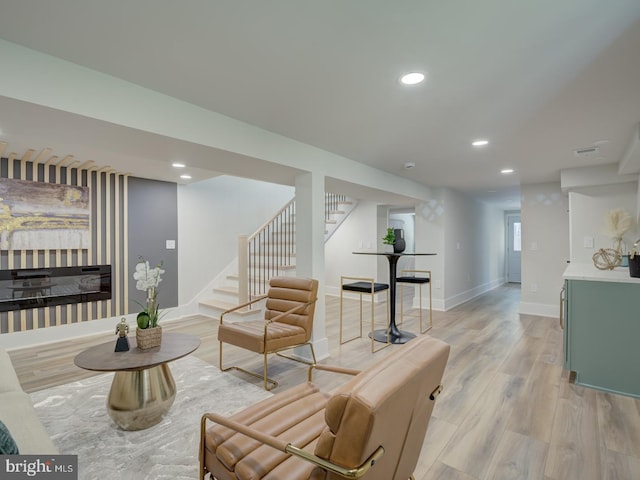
[{"x": 122, "y": 344}]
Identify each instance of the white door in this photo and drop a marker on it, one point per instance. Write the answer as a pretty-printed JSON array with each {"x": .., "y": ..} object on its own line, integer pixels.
[{"x": 514, "y": 247}]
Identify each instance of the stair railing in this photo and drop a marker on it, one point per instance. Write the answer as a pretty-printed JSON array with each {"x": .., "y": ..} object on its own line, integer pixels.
[
  {"x": 266, "y": 252},
  {"x": 332, "y": 203}
]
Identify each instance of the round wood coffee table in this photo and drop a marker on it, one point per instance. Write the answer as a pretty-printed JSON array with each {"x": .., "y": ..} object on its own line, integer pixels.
[{"x": 143, "y": 388}]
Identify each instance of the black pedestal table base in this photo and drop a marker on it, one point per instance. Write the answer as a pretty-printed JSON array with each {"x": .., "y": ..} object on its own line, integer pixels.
[{"x": 396, "y": 336}]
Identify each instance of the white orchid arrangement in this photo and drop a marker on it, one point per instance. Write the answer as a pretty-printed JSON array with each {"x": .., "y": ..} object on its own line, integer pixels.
[
  {"x": 145, "y": 276},
  {"x": 147, "y": 280}
]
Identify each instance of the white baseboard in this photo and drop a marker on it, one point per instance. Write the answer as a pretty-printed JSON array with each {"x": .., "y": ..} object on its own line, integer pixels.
[
  {"x": 101, "y": 326},
  {"x": 540, "y": 309},
  {"x": 460, "y": 298}
]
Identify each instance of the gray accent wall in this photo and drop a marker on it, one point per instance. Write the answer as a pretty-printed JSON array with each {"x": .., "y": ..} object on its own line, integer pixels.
[{"x": 153, "y": 219}]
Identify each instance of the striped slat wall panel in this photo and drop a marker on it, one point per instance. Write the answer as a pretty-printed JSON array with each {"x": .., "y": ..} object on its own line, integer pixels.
[{"x": 108, "y": 190}]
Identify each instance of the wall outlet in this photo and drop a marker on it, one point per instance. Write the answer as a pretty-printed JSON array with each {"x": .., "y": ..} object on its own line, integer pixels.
[
  {"x": 437, "y": 284},
  {"x": 588, "y": 242},
  {"x": 533, "y": 287},
  {"x": 171, "y": 244},
  {"x": 534, "y": 246}
]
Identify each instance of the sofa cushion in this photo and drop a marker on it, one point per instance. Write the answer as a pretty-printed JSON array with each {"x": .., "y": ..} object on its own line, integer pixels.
[
  {"x": 7, "y": 443},
  {"x": 20, "y": 417},
  {"x": 8, "y": 378}
]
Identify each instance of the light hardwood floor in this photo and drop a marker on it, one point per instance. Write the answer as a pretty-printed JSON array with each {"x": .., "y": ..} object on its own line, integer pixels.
[{"x": 508, "y": 410}]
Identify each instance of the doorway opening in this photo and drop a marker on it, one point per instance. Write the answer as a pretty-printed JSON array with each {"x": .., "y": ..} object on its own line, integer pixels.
[{"x": 514, "y": 248}]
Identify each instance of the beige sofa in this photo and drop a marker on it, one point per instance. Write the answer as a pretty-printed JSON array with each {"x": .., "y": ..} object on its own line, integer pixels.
[{"x": 18, "y": 414}]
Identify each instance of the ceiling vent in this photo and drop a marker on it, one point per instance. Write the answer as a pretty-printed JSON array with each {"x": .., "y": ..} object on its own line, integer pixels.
[{"x": 586, "y": 152}]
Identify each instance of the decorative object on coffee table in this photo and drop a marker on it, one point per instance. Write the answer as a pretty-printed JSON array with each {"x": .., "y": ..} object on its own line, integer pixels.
[
  {"x": 122, "y": 344},
  {"x": 148, "y": 333}
]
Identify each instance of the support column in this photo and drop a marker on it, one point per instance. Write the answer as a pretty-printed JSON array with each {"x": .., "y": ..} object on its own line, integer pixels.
[{"x": 310, "y": 250}]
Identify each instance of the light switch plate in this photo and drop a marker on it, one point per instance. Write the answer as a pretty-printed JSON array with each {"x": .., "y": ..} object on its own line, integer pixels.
[
  {"x": 171, "y": 244},
  {"x": 588, "y": 242}
]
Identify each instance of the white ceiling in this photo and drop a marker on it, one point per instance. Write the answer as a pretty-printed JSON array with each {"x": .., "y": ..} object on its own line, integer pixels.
[{"x": 539, "y": 79}]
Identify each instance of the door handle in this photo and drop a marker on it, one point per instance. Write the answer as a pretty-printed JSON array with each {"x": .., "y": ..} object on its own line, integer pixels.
[{"x": 562, "y": 308}]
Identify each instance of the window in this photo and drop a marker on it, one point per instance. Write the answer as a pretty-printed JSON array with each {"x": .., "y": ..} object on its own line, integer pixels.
[{"x": 517, "y": 236}]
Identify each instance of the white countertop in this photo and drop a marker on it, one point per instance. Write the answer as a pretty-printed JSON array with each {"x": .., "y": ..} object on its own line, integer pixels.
[{"x": 586, "y": 271}]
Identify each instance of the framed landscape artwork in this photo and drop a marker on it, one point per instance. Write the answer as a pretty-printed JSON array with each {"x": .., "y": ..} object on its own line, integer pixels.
[{"x": 39, "y": 216}]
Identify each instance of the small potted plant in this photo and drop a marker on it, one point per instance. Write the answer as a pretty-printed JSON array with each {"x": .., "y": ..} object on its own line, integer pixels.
[
  {"x": 389, "y": 238},
  {"x": 148, "y": 333}
]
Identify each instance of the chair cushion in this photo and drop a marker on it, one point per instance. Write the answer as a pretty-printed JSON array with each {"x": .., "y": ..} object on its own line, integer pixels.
[
  {"x": 387, "y": 404},
  {"x": 364, "y": 287},
  {"x": 412, "y": 280},
  {"x": 250, "y": 334},
  {"x": 286, "y": 293},
  {"x": 295, "y": 415}
]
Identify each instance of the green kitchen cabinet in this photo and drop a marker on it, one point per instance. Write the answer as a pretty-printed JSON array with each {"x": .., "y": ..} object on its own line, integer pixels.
[{"x": 602, "y": 334}]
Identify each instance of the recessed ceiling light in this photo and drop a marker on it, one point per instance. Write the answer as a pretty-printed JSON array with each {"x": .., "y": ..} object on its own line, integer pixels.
[
  {"x": 506, "y": 171},
  {"x": 480, "y": 143},
  {"x": 178, "y": 165},
  {"x": 185, "y": 177},
  {"x": 412, "y": 78}
]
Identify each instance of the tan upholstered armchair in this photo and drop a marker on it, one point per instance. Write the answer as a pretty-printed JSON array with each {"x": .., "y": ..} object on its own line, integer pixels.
[
  {"x": 372, "y": 427},
  {"x": 288, "y": 323}
]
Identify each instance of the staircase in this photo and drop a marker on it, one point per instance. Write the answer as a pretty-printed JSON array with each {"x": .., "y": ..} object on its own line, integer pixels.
[{"x": 269, "y": 252}]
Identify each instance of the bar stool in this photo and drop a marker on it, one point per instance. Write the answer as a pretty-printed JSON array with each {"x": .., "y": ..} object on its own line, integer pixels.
[
  {"x": 363, "y": 286},
  {"x": 415, "y": 280}
]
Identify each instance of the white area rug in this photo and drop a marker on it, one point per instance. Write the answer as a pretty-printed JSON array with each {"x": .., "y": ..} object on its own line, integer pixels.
[{"x": 75, "y": 416}]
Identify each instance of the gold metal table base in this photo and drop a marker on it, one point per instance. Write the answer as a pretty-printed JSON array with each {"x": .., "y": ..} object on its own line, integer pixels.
[{"x": 139, "y": 399}]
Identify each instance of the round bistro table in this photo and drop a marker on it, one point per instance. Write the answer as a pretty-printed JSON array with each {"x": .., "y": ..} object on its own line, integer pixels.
[
  {"x": 395, "y": 335},
  {"x": 143, "y": 388}
]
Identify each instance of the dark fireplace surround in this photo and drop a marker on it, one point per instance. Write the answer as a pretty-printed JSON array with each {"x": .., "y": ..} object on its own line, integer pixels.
[{"x": 47, "y": 287}]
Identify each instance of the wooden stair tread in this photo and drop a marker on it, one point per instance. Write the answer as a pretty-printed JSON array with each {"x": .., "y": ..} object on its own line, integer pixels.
[{"x": 222, "y": 306}]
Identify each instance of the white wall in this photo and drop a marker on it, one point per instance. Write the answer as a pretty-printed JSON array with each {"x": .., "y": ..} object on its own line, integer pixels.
[
  {"x": 473, "y": 248},
  {"x": 211, "y": 215},
  {"x": 358, "y": 233},
  {"x": 429, "y": 238},
  {"x": 545, "y": 247},
  {"x": 588, "y": 209}
]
